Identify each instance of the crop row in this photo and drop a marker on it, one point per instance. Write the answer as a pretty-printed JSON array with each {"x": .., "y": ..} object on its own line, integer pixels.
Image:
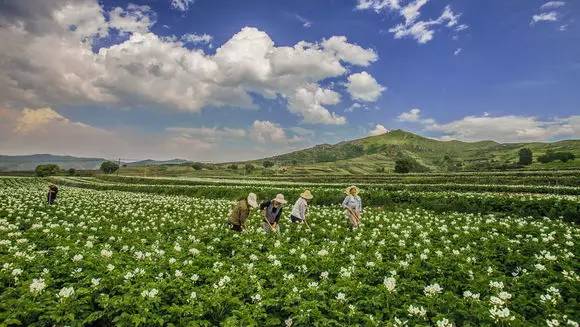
[
  {"x": 535, "y": 205},
  {"x": 447, "y": 186}
]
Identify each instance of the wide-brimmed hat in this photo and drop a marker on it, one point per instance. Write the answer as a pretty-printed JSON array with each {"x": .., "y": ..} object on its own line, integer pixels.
[
  {"x": 279, "y": 198},
  {"x": 307, "y": 195},
  {"x": 253, "y": 200},
  {"x": 348, "y": 189}
]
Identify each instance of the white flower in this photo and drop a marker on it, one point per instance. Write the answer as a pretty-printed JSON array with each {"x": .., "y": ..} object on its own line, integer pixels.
[
  {"x": 417, "y": 311},
  {"x": 65, "y": 292},
  {"x": 322, "y": 252},
  {"x": 288, "y": 322},
  {"x": 149, "y": 293},
  {"x": 340, "y": 296},
  {"x": 324, "y": 275},
  {"x": 178, "y": 273},
  {"x": 110, "y": 267},
  {"x": 390, "y": 284},
  {"x": 77, "y": 257},
  {"x": 16, "y": 272},
  {"x": 106, "y": 253},
  {"x": 256, "y": 298},
  {"x": 498, "y": 314},
  {"x": 498, "y": 285},
  {"x": 444, "y": 323},
  {"x": 192, "y": 296},
  {"x": 194, "y": 278},
  {"x": 37, "y": 286},
  {"x": 313, "y": 284},
  {"x": 95, "y": 281},
  {"x": 433, "y": 289}
]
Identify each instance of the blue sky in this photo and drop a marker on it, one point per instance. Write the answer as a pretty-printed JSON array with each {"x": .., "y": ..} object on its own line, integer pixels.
[{"x": 146, "y": 79}]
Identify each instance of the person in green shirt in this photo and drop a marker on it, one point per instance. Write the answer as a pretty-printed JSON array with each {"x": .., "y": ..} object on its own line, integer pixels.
[{"x": 241, "y": 211}]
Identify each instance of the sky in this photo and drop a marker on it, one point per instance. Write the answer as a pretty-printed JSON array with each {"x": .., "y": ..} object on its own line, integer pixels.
[{"x": 224, "y": 80}]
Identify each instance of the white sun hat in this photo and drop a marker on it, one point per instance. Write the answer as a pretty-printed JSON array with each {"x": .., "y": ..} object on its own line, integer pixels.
[
  {"x": 253, "y": 200},
  {"x": 307, "y": 195},
  {"x": 279, "y": 198}
]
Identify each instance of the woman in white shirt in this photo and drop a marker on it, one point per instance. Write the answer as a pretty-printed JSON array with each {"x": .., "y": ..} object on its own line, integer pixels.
[
  {"x": 300, "y": 208},
  {"x": 353, "y": 206}
]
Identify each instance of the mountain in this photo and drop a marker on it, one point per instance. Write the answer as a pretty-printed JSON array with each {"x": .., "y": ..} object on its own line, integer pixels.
[
  {"x": 374, "y": 153},
  {"x": 150, "y": 162},
  {"x": 29, "y": 162}
]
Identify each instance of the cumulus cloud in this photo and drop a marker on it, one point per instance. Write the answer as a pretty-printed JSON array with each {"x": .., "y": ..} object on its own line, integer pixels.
[
  {"x": 378, "y": 130},
  {"x": 51, "y": 61},
  {"x": 349, "y": 52},
  {"x": 362, "y": 86},
  {"x": 422, "y": 31},
  {"x": 510, "y": 128}
]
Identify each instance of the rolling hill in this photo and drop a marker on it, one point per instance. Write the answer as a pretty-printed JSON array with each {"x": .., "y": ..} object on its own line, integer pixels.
[
  {"x": 29, "y": 162},
  {"x": 370, "y": 154}
]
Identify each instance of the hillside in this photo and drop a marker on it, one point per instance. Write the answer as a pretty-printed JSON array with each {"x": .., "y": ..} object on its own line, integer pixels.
[{"x": 370, "y": 154}]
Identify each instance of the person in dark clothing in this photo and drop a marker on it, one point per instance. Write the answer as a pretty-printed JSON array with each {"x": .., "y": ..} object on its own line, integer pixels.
[
  {"x": 52, "y": 192},
  {"x": 241, "y": 211},
  {"x": 271, "y": 212}
]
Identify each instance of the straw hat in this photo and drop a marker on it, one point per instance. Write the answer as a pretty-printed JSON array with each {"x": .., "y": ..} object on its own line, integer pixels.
[
  {"x": 307, "y": 195},
  {"x": 252, "y": 200},
  {"x": 348, "y": 189},
  {"x": 279, "y": 198}
]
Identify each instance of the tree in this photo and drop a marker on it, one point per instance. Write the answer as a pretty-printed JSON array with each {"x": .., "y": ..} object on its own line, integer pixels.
[
  {"x": 47, "y": 170},
  {"x": 233, "y": 167},
  {"x": 249, "y": 167},
  {"x": 402, "y": 165},
  {"x": 197, "y": 165},
  {"x": 526, "y": 156},
  {"x": 267, "y": 164},
  {"x": 109, "y": 167},
  {"x": 72, "y": 171},
  {"x": 553, "y": 156},
  {"x": 294, "y": 162}
]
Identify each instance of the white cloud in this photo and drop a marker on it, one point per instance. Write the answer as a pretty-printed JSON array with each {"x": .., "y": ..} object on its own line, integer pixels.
[
  {"x": 424, "y": 31},
  {"x": 208, "y": 134},
  {"x": 378, "y": 130},
  {"x": 510, "y": 128},
  {"x": 410, "y": 116},
  {"x": 552, "y": 5},
  {"x": 196, "y": 38},
  {"x": 148, "y": 69},
  {"x": 457, "y": 51},
  {"x": 134, "y": 19},
  {"x": 378, "y": 5},
  {"x": 362, "y": 86},
  {"x": 182, "y": 5},
  {"x": 305, "y": 22},
  {"x": 421, "y": 30},
  {"x": 268, "y": 132},
  {"x": 551, "y": 16},
  {"x": 354, "y": 106},
  {"x": 349, "y": 52},
  {"x": 309, "y": 102}
]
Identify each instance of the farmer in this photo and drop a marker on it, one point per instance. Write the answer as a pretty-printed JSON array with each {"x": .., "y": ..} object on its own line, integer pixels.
[
  {"x": 241, "y": 212},
  {"x": 271, "y": 212},
  {"x": 353, "y": 206},
  {"x": 300, "y": 208},
  {"x": 52, "y": 192}
]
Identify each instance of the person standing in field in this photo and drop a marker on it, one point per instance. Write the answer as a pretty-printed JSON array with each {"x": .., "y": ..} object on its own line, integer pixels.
[
  {"x": 271, "y": 212},
  {"x": 52, "y": 192},
  {"x": 300, "y": 208},
  {"x": 353, "y": 206},
  {"x": 241, "y": 211}
]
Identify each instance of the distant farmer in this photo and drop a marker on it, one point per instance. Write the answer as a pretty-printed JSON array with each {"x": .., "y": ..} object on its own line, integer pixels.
[
  {"x": 52, "y": 192},
  {"x": 353, "y": 206},
  {"x": 300, "y": 208},
  {"x": 241, "y": 212},
  {"x": 271, "y": 212}
]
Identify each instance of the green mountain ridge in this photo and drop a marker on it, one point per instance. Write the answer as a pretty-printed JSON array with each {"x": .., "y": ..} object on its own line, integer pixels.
[{"x": 375, "y": 153}]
